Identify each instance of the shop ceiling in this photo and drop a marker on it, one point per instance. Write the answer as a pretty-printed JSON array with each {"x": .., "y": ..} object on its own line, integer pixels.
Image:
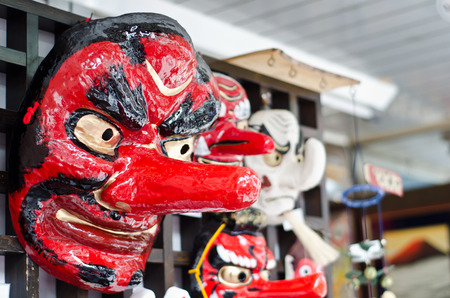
[{"x": 401, "y": 48}]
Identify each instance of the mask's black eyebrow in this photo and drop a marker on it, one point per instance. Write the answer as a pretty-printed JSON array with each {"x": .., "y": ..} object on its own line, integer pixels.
[
  {"x": 283, "y": 149},
  {"x": 112, "y": 94},
  {"x": 186, "y": 122}
]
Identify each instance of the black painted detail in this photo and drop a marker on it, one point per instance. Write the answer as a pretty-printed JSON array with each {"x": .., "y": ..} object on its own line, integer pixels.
[
  {"x": 262, "y": 129},
  {"x": 113, "y": 94},
  {"x": 115, "y": 215},
  {"x": 26, "y": 142},
  {"x": 39, "y": 194},
  {"x": 186, "y": 122},
  {"x": 229, "y": 143},
  {"x": 97, "y": 274},
  {"x": 229, "y": 294},
  {"x": 136, "y": 278},
  {"x": 27, "y": 220},
  {"x": 203, "y": 74}
]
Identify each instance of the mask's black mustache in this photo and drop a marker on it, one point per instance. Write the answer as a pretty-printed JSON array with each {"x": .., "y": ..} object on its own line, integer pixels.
[{"x": 63, "y": 185}]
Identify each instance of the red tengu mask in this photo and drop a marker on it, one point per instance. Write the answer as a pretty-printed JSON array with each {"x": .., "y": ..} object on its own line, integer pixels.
[
  {"x": 104, "y": 145},
  {"x": 237, "y": 263},
  {"x": 230, "y": 140}
]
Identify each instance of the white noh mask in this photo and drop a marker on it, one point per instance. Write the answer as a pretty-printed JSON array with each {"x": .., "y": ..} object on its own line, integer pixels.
[{"x": 290, "y": 169}]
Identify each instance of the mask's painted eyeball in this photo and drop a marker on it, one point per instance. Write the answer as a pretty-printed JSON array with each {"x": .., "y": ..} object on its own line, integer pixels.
[
  {"x": 273, "y": 159},
  {"x": 97, "y": 134},
  {"x": 180, "y": 148},
  {"x": 235, "y": 276},
  {"x": 265, "y": 274},
  {"x": 305, "y": 270}
]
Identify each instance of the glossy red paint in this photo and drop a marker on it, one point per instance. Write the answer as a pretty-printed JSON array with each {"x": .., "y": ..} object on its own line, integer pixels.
[
  {"x": 230, "y": 139},
  {"x": 91, "y": 174},
  {"x": 237, "y": 265}
]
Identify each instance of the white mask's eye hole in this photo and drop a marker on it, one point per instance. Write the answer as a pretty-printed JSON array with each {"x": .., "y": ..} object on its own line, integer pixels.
[
  {"x": 235, "y": 276},
  {"x": 273, "y": 159},
  {"x": 179, "y": 148},
  {"x": 97, "y": 134},
  {"x": 299, "y": 158},
  {"x": 265, "y": 274}
]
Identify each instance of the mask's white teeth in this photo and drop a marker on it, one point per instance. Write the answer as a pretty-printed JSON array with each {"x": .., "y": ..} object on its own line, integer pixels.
[{"x": 66, "y": 216}]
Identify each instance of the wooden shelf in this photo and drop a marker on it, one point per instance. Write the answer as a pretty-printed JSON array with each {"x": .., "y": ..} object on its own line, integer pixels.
[
  {"x": 7, "y": 120},
  {"x": 10, "y": 245},
  {"x": 280, "y": 66}
]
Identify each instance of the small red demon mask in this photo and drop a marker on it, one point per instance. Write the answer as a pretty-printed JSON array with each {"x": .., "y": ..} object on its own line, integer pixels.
[
  {"x": 237, "y": 263},
  {"x": 306, "y": 267},
  {"x": 230, "y": 140},
  {"x": 104, "y": 147}
]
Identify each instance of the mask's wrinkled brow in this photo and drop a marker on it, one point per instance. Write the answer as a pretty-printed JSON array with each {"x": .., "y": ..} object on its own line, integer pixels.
[
  {"x": 113, "y": 94},
  {"x": 283, "y": 149}
]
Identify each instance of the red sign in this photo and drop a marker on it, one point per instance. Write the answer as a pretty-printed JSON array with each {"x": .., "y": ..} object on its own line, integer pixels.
[{"x": 387, "y": 180}]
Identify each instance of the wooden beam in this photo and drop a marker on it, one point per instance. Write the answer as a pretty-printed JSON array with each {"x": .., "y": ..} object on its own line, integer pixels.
[
  {"x": 23, "y": 275},
  {"x": 7, "y": 120},
  {"x": 10, "y": 245},
  {"x": 45, "y": 11},
  {"x": 13, "y": 56},
  {"x": 238, "y": 72},
  {"x": 416, "y": 202},
  {"x": 168, "y": 258},
  {"x": 438, "y": 126}
]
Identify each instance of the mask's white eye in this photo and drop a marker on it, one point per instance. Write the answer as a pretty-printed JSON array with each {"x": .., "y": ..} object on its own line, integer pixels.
[
  {"x": 180, "y": 148},
  {"x": 242, "y": 124},
  {"x": 235, "y": 276},
  {"x": 299, "y": 158},
  {"x": 97, "y": 134},
  {"x": 273, "y": 159},
  {"x": 305, "y": 270}
]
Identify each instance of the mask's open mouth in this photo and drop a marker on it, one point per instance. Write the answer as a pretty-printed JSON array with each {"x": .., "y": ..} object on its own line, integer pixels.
[
  {"x": 117, "y": 236},
  {"x": 64, "y": 215},
  {"x": 217, "y": 161}
]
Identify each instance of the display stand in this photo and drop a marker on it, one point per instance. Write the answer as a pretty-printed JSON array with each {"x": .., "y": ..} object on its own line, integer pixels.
[{"x": 19, "y": 60}]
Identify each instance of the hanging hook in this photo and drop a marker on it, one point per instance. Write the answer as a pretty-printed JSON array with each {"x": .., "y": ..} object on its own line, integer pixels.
[
  {"x": 292, "y": 72},
  {"x": 271, "y": 61},
  {"x": 322, "y": 84},
  {"x": 352, "y": 92}
]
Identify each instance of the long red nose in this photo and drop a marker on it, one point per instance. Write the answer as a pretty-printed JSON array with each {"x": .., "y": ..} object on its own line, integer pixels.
[
  {"x": 233, "y": 140},
  {"x": 309, "y": 286},
  {"x": 149, "y": 182}
]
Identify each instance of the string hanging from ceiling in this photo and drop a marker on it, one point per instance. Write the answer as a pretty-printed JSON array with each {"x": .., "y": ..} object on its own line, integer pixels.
[{"x": 365, "y": 253}]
